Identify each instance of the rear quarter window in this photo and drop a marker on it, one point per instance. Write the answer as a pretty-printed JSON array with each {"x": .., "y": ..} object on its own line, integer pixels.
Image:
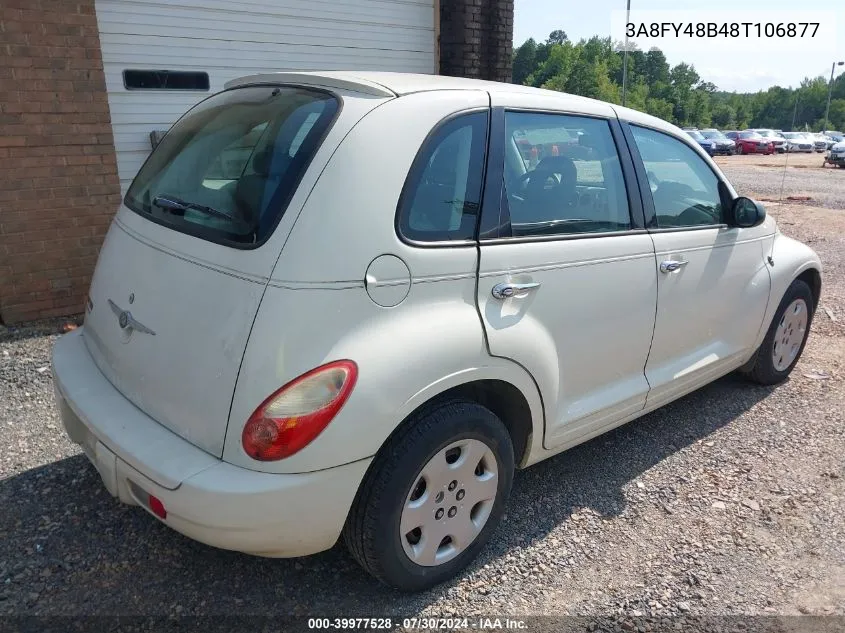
[
  {"x": 226, "y": 171},
  {"x": 441, "y": 198}
]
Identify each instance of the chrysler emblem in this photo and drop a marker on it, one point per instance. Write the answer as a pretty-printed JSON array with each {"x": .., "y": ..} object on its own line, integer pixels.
[{"x": 127, "y": 322}]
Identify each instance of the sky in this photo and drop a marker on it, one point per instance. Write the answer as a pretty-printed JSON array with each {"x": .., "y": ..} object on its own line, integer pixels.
[{"x": 731, "y": 65}]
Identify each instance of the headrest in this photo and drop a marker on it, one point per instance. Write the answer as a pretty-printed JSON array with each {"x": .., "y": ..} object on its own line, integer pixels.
[{"x": 562, "y": 165}]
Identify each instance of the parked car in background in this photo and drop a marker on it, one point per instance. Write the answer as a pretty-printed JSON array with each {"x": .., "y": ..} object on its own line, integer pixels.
[
  {"x": 748, "y": 142},
  {"x": 777, "y": 140},
  {"x": 835, "y": 135},
  {"x": 836, "y": 155},
  {"x": 799, "y": 142},
  {"x": 706, "y": 144},
  {"x": 820, "y": 141},
  {"x": 724, "y": 145},
  {"x": 829, "y": 140},
  {"x": 362, "y": 334}
]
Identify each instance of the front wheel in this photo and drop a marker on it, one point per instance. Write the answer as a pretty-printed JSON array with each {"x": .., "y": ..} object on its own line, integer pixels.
[
  {"x": 780, "y": 350},
  {"x": 433, "y": 496}
]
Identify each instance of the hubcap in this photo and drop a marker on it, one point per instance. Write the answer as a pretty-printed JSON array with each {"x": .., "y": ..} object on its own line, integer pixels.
[
  {"x": 789, "y": 335},
  {"x": 449, "y": 502}
]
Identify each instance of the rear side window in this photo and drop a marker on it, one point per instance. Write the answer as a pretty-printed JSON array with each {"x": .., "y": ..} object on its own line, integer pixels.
[
  {"x": 227, "y": 169},
  {"x": 442, "y": 195}
]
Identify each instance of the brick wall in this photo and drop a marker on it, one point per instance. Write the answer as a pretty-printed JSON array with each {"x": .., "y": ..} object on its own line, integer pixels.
[
  {"x": 476, "y": 38},
  {"x": 58, "y": 175}
]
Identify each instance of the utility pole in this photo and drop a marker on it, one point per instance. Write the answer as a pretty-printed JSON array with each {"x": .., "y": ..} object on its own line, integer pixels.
[{"x": 625, "y": 59}]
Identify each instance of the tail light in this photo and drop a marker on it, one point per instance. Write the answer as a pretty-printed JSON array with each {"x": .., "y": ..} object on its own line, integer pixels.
[{"x": 293, "y": 416}]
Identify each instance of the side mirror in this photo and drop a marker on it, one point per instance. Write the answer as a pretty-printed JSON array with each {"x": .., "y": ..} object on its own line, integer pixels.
[{"x": 747, "y": 213}]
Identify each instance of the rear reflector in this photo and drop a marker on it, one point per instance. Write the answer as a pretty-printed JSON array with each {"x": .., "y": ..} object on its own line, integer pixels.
[
  {"x": 157, "y": 507},
  {"x": 293, "y": 416}
]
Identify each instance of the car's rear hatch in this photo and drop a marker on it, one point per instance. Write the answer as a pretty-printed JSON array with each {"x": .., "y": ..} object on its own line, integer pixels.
[
  {"x": 184, "y": 266},
  {"x": 169, "y": 333}
]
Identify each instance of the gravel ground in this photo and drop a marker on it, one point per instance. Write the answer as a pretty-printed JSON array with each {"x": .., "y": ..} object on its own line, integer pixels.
[
  {"x": 727, "y": 502},
  {"x": 802, "y": 175}
]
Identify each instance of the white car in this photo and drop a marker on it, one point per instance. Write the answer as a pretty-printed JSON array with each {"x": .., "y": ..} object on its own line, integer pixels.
[
  {"x": 799, "y": 142},
  {"x": 820, "y": 141},
  {"x": 352, "y": 304}
]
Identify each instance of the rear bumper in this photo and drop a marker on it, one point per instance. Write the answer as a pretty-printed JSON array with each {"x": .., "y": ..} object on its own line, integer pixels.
[{"x": 206, "y": 499}]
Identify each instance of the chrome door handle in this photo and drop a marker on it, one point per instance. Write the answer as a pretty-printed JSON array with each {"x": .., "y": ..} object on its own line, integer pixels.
[
  {"x": 503, "y": 291},
  {"x": 670, "y": 266}
]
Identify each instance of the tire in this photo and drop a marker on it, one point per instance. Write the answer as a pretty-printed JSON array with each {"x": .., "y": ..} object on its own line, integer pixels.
[
  {"x": 372, "y": 532},
  {"x": 762, "y": 367}
]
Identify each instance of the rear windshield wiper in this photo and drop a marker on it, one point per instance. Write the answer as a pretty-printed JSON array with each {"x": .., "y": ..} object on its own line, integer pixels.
[{"x": 172, "y": 203}]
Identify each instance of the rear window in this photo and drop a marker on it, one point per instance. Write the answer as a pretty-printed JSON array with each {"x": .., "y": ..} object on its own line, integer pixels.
[{"x": 226, "y": 171}]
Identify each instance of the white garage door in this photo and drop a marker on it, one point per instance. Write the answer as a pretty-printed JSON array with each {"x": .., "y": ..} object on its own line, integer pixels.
[{"x": 232, "y": 38}]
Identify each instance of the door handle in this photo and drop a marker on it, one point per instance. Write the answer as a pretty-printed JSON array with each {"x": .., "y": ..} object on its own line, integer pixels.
[
  {"x": 670, "y": 266},
  {"x": 503, "y": 291}
]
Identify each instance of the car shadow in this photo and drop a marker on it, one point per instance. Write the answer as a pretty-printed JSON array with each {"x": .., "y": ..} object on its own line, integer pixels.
[{"x": 67, "y": 547}]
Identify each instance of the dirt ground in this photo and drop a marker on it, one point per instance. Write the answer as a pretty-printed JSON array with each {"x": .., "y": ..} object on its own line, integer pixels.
[{"x": 727, "y": 502}]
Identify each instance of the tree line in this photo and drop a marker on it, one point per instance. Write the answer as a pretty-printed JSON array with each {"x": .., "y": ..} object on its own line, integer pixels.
[{"x": 593, "y": 68}]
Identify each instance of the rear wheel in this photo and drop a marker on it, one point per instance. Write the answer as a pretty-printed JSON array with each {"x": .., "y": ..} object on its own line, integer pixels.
[
  {"x": 433, "y": 496},
  {"x": 786, "y": 338}
]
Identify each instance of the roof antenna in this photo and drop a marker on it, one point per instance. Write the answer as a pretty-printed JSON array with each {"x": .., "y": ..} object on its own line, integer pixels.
[{"x": 786, "y": 148}]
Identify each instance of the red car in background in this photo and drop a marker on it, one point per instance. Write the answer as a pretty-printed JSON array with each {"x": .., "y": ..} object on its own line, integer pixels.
[{"x": 748, "y": 142}]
